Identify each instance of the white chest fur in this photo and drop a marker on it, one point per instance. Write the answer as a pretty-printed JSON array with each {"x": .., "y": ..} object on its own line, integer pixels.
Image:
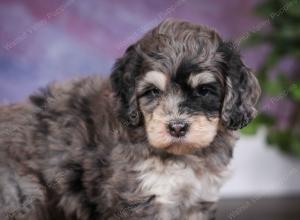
[{"x": 176, "y": 183}]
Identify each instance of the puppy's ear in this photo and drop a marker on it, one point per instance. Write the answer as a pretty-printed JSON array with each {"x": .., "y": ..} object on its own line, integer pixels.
[
  {"x": 242, "y": 89},
  {"x": 123, "y": 80}
]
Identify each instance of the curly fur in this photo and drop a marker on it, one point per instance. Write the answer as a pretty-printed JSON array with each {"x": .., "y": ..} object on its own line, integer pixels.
[{"x": 79, "y": 150}]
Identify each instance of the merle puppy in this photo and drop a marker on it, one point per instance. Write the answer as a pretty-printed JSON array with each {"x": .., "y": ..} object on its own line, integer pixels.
[{"x": 152, "y": 142}]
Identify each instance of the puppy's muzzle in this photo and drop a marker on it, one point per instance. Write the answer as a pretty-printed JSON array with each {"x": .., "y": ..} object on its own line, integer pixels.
[{"x": 178, "y": 128}]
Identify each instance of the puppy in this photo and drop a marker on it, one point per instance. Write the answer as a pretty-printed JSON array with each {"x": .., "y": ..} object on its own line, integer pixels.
[{"x": 154, "y": 141}]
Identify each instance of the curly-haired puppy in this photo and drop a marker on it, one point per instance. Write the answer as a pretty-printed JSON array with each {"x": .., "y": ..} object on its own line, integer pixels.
[{"x": 153, "y": 141}]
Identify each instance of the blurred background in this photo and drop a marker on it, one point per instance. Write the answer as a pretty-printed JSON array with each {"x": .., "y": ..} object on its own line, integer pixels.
[{"x": 50, "y": 40}]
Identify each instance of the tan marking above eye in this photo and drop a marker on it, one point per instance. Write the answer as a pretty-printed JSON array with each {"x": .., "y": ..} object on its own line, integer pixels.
[
  {"x": 155, "y": 78},
  {"x": 201, "y": 78}
]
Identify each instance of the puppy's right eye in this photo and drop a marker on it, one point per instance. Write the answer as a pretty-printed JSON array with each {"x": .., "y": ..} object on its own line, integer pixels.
[
  {"x": 153, "y": 93},
  {"x": 202, "y": 91}
]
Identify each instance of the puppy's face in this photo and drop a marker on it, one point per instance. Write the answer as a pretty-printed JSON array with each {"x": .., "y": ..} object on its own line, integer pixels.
[
  {"x": 182, "y": 82},
  {"x": 181, "y": 110}
]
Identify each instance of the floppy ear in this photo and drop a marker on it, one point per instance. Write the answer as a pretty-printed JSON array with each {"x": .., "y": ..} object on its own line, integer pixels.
[
  {"x": 242, "y": 90},
  {"x": 123, "y": 80}
]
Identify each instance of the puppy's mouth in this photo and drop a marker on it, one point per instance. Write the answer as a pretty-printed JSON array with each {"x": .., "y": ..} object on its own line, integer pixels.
[{"x": 180, "y": 146}]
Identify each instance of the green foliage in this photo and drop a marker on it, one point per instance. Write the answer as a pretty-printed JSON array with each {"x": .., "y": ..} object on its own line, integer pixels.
[
  {"x": 286, "y": 140},
  {"x": 295, "y": 92},
  {"x": 261, "y": 119},
  {"x": 281, "y": 30}
]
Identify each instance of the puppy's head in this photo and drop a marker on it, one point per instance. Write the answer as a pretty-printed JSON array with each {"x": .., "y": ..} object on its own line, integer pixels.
[{"x": 182, "y": 83}]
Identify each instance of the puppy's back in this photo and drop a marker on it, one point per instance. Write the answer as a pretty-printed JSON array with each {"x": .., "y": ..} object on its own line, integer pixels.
[
  {"x": 18, "y": 121},
  {"x": 38, "y": 136}
]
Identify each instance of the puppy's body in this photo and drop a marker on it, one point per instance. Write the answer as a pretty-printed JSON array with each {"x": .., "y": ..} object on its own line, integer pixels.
[
  {"x": 119, "y": 149},
  {"x": 61, "y": 154}
]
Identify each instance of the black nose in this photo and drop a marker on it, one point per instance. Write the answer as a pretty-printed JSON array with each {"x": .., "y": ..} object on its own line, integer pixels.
[{"x": 178, "y": 128}]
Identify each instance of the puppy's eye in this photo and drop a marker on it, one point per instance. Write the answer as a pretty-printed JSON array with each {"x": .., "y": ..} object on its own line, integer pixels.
[
  {"x": 203, "y": 90},
  {"x": 154, "y": 92}
]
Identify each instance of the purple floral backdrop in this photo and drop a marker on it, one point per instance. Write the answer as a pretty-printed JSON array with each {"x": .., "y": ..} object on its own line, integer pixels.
[{"x": 43, "y": 41}]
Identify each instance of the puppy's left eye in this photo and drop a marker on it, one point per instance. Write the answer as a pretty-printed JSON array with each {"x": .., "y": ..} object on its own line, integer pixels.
[
  {"x": 154, "y": 92},
  {"x": 203, "y": 90}
]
